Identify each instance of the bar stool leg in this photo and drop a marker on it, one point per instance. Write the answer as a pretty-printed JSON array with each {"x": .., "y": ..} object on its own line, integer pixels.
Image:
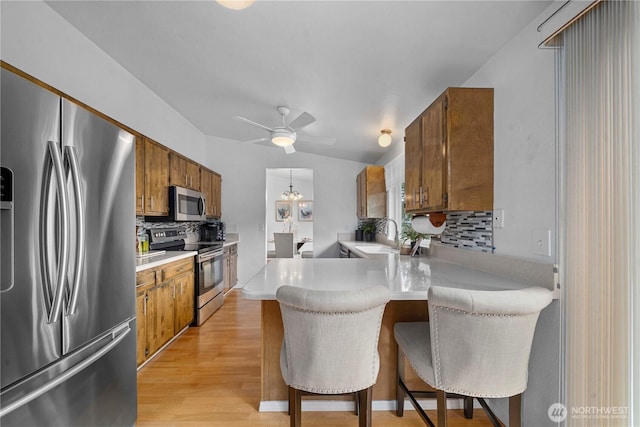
[
  {"x": 365, "y": 397},
  {"x": 515, "y": 410},
  {"x": 399, "y": 377},
  {"x": 441, "y": 402},
  {"x": 295, "y": 407},
  {"x": 468, "y": 407}
]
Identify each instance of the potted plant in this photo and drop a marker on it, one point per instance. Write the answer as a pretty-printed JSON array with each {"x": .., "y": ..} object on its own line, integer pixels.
[
  {"x": 411, "y": 235},
  {"x": 369, "y": 230}
]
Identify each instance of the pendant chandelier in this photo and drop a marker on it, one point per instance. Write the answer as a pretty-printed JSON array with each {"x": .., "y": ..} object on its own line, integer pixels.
[{"x": 291, "y": 194}]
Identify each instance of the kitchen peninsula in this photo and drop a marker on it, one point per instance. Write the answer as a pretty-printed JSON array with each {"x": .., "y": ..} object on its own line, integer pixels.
[{"x": 408, "y": 278}]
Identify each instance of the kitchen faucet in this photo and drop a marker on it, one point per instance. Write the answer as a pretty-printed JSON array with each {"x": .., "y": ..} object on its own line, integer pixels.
[{"x": 396, "y": 240}]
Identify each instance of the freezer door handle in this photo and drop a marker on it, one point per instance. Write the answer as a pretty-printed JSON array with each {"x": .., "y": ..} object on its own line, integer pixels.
[
  {"x": 117, "y": 336},
  {"x": 72, "y": 160},
  {"x": 63, "y": 254}
]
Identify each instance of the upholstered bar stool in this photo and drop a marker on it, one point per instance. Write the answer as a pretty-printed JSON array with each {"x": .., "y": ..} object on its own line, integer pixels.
[
  {"x": 476, "y": 344},
  {"x": 330, "y": 344}
]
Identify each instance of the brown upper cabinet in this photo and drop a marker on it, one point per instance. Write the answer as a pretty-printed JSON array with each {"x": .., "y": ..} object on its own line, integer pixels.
[
  {"x": 449, "y": 153},
  {"x": 210, "y": 186},
  {"x": 157, "y": 168},
  {"x": 152, "y": 178},
  {"x": 217, "y": 195},
  {"x": 372, "y": 193},
  {"x": 184, "y": 172}
]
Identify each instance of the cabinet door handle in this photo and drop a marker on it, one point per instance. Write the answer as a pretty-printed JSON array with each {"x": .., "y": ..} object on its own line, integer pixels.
[
  {"x": 421, "y": 196},
  {"x": 151, "y": 202},
  {"x": 146, "y": 298},
  {"x": 415, "y": 197},
  {"x": 142, "y": 202},
  {"x": 427, "y": 197}
]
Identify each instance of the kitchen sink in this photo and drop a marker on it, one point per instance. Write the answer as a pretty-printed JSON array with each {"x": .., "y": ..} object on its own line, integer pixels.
[{"x": 376, "y": 249}]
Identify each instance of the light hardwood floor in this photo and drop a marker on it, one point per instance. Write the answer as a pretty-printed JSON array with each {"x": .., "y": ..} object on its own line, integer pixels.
[{"x": 210, "y": 376}]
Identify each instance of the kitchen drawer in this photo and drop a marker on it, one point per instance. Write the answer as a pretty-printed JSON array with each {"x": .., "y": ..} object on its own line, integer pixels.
[
  {"x": 146, "y": 277},
  {"x": 176, "y": 268}
]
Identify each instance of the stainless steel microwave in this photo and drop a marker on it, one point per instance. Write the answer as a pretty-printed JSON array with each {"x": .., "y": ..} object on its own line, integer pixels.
[{"x": 186, "y": 205}]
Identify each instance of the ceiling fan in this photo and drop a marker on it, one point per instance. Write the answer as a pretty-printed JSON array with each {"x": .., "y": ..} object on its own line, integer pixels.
[{"x": 286, "y": 135}]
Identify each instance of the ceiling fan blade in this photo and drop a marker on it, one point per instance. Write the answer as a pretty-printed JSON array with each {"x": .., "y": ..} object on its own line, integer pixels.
[
  {"x": 304, "y": 119},
  {"x": 324, "y": 140},
  {"x": 255, "y": 140},
  {"x": 251, "y": 122},
  {"x": 289, "y": 149}
]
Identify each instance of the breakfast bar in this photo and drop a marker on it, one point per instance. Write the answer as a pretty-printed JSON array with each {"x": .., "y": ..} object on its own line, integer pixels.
[{"x": 408, "y": 279}]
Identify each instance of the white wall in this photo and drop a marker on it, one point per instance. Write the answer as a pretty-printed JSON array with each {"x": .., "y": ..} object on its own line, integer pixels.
[
  {"x": 40, "y": 42},
  {"x": 524, "y": 136},
  {"x": 243, "y": 168}
]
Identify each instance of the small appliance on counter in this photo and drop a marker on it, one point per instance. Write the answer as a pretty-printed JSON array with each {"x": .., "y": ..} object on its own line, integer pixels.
[{"x": 213, "y": 231}]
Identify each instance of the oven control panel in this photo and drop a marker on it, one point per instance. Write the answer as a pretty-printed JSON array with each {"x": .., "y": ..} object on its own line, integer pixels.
[{"x": 167, "y": 234}]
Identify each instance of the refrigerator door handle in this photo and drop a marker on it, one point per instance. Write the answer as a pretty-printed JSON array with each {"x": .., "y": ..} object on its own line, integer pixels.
[
  {"x": 63, "y": 255},
  {"x": 72, "y": 158},
  {"x": 117, "y": 335}
]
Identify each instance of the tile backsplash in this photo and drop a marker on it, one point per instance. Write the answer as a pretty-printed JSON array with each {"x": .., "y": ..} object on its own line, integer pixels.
[
  {"x": 192, "y": 227},
  {"x": 469, "y": 230}
]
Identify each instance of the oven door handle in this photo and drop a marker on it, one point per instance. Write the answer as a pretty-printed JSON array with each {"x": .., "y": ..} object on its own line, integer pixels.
[{"x": 207, "y": 257}]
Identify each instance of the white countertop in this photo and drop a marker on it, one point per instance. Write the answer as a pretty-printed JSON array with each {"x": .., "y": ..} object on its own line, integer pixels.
[
  {"x": 170, "y": 256},
  {"x": 408, "y": 278},
  {"x": 158, "y": 260}
]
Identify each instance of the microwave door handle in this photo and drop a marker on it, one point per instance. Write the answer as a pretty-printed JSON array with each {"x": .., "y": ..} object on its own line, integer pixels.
[
  {"x": 201, "y": 206},
  {"x": 72, "y": 158}
]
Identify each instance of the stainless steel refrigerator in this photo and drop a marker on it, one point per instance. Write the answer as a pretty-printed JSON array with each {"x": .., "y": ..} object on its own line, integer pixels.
[{"x": 67, "y": 296}]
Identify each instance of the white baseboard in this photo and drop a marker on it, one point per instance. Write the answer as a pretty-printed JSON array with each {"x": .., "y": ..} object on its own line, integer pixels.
[{"x": 349, "y": 405}]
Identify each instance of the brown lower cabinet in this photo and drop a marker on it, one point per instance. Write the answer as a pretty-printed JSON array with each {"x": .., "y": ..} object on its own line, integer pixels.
[
  {"x": 230, "y": 267},
  {"x": 164, "y": 305}
]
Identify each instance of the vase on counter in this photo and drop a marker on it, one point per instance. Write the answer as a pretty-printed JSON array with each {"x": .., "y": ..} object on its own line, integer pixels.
[{"x": 359, "y": 235}]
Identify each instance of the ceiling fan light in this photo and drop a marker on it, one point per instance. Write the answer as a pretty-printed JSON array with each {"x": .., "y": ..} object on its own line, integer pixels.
[
  {"x": 282, "y": 141},
  {"x": 384, "y": 140},
  {"x": 283, "y": 138},
  {"x": 236, "y": 4}
]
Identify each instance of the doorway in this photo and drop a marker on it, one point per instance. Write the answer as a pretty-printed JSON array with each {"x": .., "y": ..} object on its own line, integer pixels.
[{"x": 289, "y": 209}]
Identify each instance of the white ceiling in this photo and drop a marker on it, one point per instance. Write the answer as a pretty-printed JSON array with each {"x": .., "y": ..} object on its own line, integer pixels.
[{"x": 356, "y": 66}]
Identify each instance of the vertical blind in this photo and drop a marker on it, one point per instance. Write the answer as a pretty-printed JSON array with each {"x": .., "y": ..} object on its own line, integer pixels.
[{"x": 600, "y": 214}]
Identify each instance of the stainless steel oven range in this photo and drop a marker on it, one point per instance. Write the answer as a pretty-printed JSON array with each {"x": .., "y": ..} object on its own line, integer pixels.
[{"x": 209, "y": 280}]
